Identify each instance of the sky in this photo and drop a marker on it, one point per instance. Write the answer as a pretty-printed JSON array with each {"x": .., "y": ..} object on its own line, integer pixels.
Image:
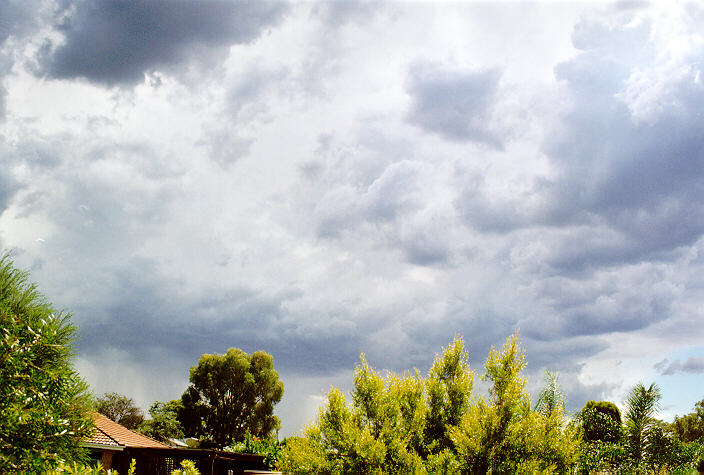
[{"x": 321, "y": 179}]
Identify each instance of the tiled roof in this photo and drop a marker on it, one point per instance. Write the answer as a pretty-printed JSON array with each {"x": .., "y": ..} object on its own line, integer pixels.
[
  {"x": 111, "y": 433},
  {"x": 101, "y": 438}
]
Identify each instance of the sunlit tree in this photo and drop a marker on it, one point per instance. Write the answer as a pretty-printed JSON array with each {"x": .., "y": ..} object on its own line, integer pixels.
[{"x": 43, "y": 401}]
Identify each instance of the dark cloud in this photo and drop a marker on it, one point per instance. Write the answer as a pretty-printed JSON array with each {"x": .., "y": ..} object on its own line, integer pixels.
[
  {"x": 693, "y": 365},
  {"x": 629, "y": 185},
  {"x": 115, "y": 42},
  {"x": 455, "y": 104},
  {"x": 597, "y": 303},
  {"x": 628, "y": 166},
  {"x": 148, "y": 313},
  {"x": 427, "y": 247},
  {"x": 16, "y": 17}
]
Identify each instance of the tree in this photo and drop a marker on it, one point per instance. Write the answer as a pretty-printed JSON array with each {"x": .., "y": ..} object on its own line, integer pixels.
[
  {"x": 642, "y": 404},
  {"x": 690, "y": 427},
  {"x": 449, "y": 389},
  {"x": 502, "y": 434},
  {"x": 410, "y": 424},
  {"x": 164, "y": 422},
  {"x": 601, "y": 421},
  {"x": 396, "y": 424},
  {"x": 551, "y": 398},
  {"x": 229, "y": 395},
  {"x": 121, "y": 409},
  {"x": 43, "y": 401}
]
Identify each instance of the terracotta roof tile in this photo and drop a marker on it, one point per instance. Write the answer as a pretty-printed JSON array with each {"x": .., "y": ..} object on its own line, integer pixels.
[
  {"x": 101, "y": 438},
  {"x": 111, "y": 433}
]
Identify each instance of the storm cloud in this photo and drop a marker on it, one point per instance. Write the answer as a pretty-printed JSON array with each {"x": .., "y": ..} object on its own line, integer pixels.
[
  {"x": 118, "y": 42},
  {"x": 319, "y": 180}
]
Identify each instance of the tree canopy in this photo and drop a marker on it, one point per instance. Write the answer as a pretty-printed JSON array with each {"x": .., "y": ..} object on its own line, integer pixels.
[
  {"x": 230, "y": 395},
  {"x": 164, "y": 422},
  {"x": 690, "y": 427},
  {"x": 43, "y": 401},
  {"x": 600, "y": 421},
  {"x": 121, "y": 409},
  {"x": 411, "y": 424}
]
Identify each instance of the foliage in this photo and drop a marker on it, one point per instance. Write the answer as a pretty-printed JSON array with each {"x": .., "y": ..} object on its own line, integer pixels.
[
  {"x": 408, "y": 424},
  {"x": 647, "y": 445},
  {"x": 600, "y": 421},
  {"x": 121, "y": 409},
  {"x": 642, "y": 404},
  {"x": 690, "y": 427},
  {"x": 188, "y": 467},
  {"x": 551, "y": 398},
  {"x": 397, "y": 424},
  {"x": 164, "y": 422},
  {"x": 229, "y": 395},
  {"x": 602, "y": 457},
  {"x": 502, "y": 434},
  {"x": 76, "y": 468},
  {"x": 43, "y": 401},
  {"x": 662, "y": 451},
  {"x": 699, "y": 463},
  {"x": 449, "y": 390},
  {"x": 269, "y": 448}
]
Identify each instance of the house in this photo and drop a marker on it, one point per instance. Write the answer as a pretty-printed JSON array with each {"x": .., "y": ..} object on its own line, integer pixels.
[{"x": 114, "y": 446}]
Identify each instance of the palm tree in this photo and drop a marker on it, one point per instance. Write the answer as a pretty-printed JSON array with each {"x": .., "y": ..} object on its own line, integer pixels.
[
  {"x": 642, "y": 404},
  {"x": 551, "y": 398}
]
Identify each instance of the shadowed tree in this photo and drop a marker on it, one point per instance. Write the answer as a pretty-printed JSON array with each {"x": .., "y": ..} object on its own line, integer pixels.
[
  {"x": 121, "y": 409},
  {"x": 229, "y": 395},
  {"x": 164, "y": 422},
  {"x": 601, "y": 421}
]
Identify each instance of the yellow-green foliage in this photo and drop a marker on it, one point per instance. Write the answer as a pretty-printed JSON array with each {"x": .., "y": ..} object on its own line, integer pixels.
[
  {"x": 416, "y": 425},
  {"x": 188, "y": 467},
  {"x": 501, "y": 434},
  {"x": 75, "y": 468}
]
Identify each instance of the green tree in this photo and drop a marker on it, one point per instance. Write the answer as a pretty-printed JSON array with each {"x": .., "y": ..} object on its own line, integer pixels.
[
  {"x": 164, "y": 422},
  {"x": 502, "y": 434},
  {"x": 229, "y": 395},
  {"x": 408, "y": 424},
  {"x": 551, "y": 398},
  {"x": 396, "y": 424},
  {"x": 690, "y": 427},
  {"x": 600, "y": 421},
  {"x": 449, "y": 389},
  {"x": 43, "y": 401},
  {"x": 121, "y": 409},
  {"x": 642, "y": 404}
]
